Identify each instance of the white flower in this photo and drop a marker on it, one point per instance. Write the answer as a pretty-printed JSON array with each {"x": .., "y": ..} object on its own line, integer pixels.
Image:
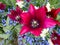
[
  {"x": 44, "y": 32},
  {"x": 48, "y": 6},
  {"x": 50, "y": 42},
  {"x": 20, "y": 4},
  {"x": 24, "y": 11},
  {"x": 36, "y": 7}
]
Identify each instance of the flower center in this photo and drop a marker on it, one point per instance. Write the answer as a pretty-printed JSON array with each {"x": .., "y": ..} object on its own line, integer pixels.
[
  {"x": 54, "y": 38},
  {"x": 17, "y": 17},
  {"x": 35, "y": 24}
]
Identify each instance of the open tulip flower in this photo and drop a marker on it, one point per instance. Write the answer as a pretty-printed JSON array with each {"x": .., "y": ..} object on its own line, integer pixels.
[
  {"x": 35, "y": 20},
  {"x": 55, "y": 37},
  {"x": 54, "y": 13},
  {"x": 15, "y": 14}
]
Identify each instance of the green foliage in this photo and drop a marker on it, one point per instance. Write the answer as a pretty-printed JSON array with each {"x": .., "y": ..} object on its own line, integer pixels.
[
  {"x": 55, "y": 3},
  {"x": 4, "y": 36},
  {"x": 58, "y": 18},
  {"x": 16, "y": 29},
  {"x": 7, "y": 27}
]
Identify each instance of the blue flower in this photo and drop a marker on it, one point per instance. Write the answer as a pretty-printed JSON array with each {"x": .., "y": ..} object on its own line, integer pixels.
[
  {"x": 14, "y": 23},
  {"x": 10, "y": 22},
  {"x": 1, "y": 11},
  {"x": 3, "y": 22}
]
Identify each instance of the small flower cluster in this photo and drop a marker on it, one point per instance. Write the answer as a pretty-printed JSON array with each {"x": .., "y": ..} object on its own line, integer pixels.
[{"x": 32, "y": 40}]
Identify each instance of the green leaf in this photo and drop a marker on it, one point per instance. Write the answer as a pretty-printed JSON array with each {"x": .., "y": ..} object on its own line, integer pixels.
[
  {"x": 24, "y": 40},
  {"x": 1, "y": 25},
  {"x": 7, "y": 28},
  {"x": 1, "y": 30},
  {"x": 5, "y": 36},
  {"x": 13, "y": 2},
  {"x": 5, "y": 13},
  {"x": 47, "y": 36},
  {"x": 7, "y": 22},
  {"x": 58, "y": 17},
  {"x": 18, "y": 27},
  {"x": 54, "y": 3}
]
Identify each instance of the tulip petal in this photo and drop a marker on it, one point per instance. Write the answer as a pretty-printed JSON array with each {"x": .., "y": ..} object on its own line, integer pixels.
[
  {"x": 36, "y": 32},
  {"x": 41, "y": 13},
  {"x": 32, "y": 9},
  {"x": 12, "y": 15},
  {"x": 49, "y": 22},
  {"x": 26, "y": 18},
  {"x": 24, "y": 30},
  {"x": 18, "y": 10},
  {"x": 54, "y": 12}
]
